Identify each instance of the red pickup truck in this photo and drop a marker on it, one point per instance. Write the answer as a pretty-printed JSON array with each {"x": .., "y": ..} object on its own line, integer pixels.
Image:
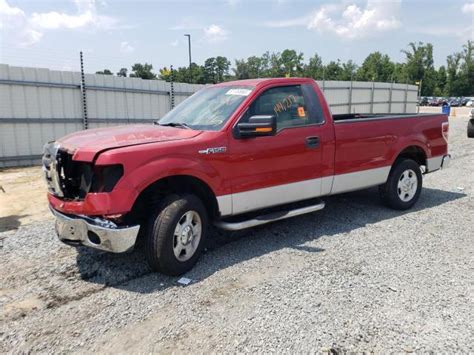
[{"x": 237, "y": 155}]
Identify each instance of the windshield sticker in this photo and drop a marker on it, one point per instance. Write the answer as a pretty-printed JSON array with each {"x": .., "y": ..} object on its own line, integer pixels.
[
  {"x": 285, "y": 104},
  {"x": 238, "y": 92}
]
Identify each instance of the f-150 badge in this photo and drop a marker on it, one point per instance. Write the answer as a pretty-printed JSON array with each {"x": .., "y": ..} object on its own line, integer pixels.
[{"x": 214, "y": 150}]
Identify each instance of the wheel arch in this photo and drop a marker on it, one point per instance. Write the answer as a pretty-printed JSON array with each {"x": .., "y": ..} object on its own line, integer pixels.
[
  {"x": 414, "y": 152},
  {"x": 152, "y": 194}
]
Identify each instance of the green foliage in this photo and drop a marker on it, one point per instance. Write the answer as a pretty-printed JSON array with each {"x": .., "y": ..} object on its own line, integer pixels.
[
  {"x": 314, "y": 69},
  {"x": 460, "y": 72},
  {"x": 454, "y": 79},
  {"x": 122, "y": 72},
  {"x": 419, "y": 66},
  {"x": 376, "y": 67},
  {"x": 104, "y": 72},
  {"x": 143, "y": 71}
]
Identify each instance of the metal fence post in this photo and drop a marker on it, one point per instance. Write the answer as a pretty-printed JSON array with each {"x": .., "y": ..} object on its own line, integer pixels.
[
  {"x": 350, "y": 97},
  {"x": 171, "y": 88},
  {"x": 372, "y": 98},
  {"x": 85, "y": 122},
  {"x": 390, "y": 98},
  {"x": 406, "y": 98}
]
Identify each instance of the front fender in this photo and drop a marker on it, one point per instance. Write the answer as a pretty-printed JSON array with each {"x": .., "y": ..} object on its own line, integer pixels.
[{"x": 143, "y": 176}]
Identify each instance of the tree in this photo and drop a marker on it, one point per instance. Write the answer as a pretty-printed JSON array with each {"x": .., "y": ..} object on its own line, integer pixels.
[
  {"x": 216, "y": 69},
  {"x": 143, "y": 71},
  {"x": 104, "y": 72},
  {"x": 333, "y": 70},
  {"x": 441, "y": 80},
  {"x": 291, "y": 63},
  {"x": 241, "y": 70},
  {"x": 314, "y": 69},
  {"x": 255, "y": 67},
  {"x": 453, "y": 84},
  {"x": 465, "y": 85},
  {"x": 122, "y": 72},
  {"x": 222, "y": 68},
  {"x": 376, "y": 67},
  {"x": 348, "y": 72},
  {"x": 419, "y": 66},
  {"x": 210, "y": 70}
]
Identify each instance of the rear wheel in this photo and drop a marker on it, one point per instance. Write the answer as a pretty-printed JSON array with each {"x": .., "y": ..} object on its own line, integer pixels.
[
  {"x": 403, "y": 187},
  {"x": 176, "y": 234}
]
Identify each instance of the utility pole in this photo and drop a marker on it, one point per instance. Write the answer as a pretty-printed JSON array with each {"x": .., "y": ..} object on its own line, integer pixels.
[{"x": 189, "y": 50}]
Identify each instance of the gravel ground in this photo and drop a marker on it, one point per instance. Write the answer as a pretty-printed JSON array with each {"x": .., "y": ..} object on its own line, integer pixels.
[{"x": 353, "y": 277}]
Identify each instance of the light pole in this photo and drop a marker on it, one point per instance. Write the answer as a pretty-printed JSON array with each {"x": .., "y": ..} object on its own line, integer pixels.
[{"x": 189, "y": 49}]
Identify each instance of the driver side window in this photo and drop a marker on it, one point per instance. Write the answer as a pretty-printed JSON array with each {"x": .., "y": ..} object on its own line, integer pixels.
[{"x": 286, "y": 103}]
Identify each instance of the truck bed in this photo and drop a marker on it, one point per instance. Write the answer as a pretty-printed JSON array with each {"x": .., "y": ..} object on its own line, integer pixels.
[{"x": 350, "y": 117}]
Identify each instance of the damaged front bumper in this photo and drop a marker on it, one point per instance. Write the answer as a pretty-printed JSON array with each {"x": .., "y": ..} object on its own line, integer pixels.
[{"x": 95, "y": 233}]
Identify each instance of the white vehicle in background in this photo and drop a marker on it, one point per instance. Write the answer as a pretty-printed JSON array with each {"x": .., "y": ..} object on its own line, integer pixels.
[{"x": 470, "y": 103}]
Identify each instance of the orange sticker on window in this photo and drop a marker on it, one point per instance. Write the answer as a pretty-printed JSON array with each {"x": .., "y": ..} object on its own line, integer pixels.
[{"x": 301, "y": 112}]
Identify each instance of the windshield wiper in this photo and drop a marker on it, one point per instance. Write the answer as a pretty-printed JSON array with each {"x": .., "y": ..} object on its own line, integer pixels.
[{"x": 174, "y": 124}]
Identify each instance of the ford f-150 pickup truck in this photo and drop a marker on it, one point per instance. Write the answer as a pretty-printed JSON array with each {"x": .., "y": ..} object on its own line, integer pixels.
[{"x": 236, "y": 154}]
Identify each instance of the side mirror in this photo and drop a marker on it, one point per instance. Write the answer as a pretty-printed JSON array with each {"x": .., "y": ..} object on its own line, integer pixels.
[{"x": 257, "y": 126}]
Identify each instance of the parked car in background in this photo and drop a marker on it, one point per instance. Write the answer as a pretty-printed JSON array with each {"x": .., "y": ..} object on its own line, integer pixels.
[
  {"x": 470, "y": 103},
  {"x": 433, "y": 102},
  {"x": 464, "y": 101},
  {"x": 470, "y": 125},
  {"x": 454, "y": 102},
  {"x": 423, "y": 101}
]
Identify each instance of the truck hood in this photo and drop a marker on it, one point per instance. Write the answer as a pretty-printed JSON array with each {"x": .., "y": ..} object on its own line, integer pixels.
[{"x": 84, "y": 145}]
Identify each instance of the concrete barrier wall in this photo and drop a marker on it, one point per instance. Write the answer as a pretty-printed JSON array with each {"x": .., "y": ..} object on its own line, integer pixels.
[{"x": 39, "y": 105}]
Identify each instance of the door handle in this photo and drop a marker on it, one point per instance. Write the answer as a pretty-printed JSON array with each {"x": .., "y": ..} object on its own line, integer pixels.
[{"x": 312, "y": 142}]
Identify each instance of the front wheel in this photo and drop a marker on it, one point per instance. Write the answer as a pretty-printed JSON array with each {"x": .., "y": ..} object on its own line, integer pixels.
[
  {"x": 403, "y": 187},
  {"x": 176, "y": 234}
]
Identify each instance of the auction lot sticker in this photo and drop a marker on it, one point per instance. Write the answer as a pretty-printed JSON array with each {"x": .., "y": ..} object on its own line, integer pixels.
[{"x": 238, "y": 92}]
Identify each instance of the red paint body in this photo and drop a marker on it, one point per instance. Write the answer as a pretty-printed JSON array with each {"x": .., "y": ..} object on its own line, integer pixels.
[{"x": 150, "y": 152}]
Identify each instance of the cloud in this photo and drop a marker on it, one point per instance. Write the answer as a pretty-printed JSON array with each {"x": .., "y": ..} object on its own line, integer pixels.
[
  {"x": 349, "y": 21},
  {"x": 14, "y": 24},
  {"x": 468, "y": 8},
  {"x": 215, "y": 33},
  {"x": 27, "y": 30},
  {"x": 126, "y": 48},
  {"x": 174, "y": 43}
]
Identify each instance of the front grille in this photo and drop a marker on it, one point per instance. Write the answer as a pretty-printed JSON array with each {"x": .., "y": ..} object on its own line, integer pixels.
[
  {"x": 65, "y": 177},
  {"x": 50, "y": 169}
]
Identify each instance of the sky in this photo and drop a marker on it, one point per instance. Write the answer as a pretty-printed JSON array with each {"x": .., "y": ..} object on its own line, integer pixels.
[{"x": 118, "y": 33}]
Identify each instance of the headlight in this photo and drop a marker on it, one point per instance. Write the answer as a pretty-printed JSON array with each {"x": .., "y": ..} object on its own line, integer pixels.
[{"x": 106, "y": 177}]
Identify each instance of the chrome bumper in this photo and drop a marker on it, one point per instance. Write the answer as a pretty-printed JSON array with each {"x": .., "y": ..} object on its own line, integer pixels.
[
  {"x": 95, "y": 233},
  {"x": 446, "y": 161}
]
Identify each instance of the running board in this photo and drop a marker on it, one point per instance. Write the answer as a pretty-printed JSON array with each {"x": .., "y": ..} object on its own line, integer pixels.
[{"x": 272, "y": 217}]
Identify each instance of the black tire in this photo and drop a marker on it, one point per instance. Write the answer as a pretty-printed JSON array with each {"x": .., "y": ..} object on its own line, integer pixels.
[
  {"x": 470, "y": 128},
  {"x": 390, "y": 192},
  {"x": 160, "y": 237}
]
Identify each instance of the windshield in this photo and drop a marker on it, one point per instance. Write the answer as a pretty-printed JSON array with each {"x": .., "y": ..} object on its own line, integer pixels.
[{"x": 208, "y": 109}]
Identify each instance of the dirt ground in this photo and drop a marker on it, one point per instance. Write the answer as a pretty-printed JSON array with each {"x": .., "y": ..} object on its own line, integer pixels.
[{"x": 22, "y": 197}]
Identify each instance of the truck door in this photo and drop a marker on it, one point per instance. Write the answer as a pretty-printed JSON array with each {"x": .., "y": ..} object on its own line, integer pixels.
[{"x": 268, "y": 171}]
